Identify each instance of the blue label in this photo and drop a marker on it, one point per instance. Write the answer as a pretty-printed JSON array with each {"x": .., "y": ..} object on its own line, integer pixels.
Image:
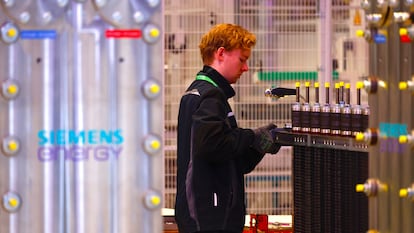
[
  {"x": 380, "y": 39},
  {"x": 393, "y": 130},
  {"x": 38, "y": 34},
  {"x": 73, "y": 137}
]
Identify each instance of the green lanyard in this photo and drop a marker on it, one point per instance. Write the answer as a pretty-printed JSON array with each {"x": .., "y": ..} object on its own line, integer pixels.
[{"x": 206, "y": 78}]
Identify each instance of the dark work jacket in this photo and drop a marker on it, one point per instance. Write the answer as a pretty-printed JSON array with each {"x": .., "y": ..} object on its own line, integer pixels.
[{"x": 213, "y": 154}]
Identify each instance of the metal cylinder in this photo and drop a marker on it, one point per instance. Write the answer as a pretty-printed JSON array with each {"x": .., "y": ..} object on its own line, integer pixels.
[
  {"x": 365, "y": 118},
  {"x": 335, "y": 118},
  {"x": 315, "y": 118},
  {"x": 305, "y": 118},
  {"x": 356, "y": 118},
  {"x": 296, "y": 117},
  {"x": 326, "y": 119},
  {"x": 346, "y": 120}
]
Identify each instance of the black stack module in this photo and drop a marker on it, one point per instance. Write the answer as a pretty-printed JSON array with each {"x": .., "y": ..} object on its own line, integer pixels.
[
  {"x": 325, "y": 175},
  {"x": 325, "y": 200}
]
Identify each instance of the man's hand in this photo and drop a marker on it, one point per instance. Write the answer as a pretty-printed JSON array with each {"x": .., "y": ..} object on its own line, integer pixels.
[{"x": 264, "y": 142}]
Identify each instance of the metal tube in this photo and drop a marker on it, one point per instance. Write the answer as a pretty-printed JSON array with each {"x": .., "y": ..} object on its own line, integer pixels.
[
  {"x": 316, "y": 92},
  {"x": 327, "y": 93},
  {"x": 338, "y": 93},
  {"x": 77, "y": 120},
  {"x": 348, "y": 94},
  {"x": 13, "y": 166},
  {"x": 307, "y": 91},
  {"x": 298, "y": 92},
  {"x": 49, "y": 220},
  {"x": 113, "y": 124}
]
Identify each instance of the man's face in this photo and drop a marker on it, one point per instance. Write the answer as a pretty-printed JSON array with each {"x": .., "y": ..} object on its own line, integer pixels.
[{"x": 234, "y": 64}]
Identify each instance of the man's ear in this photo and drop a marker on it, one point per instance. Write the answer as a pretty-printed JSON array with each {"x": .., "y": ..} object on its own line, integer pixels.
[{"x": 220, "y": 53}]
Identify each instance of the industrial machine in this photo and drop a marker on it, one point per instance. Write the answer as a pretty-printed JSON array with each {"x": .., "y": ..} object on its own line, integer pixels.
[
  {"x": 327, "y": 160},
  {"x": 353, "y": 172},
  {"x": 389, "y": 185}
]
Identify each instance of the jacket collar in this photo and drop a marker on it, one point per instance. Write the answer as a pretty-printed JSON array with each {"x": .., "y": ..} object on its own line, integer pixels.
[{"x": 219, "y": 79}]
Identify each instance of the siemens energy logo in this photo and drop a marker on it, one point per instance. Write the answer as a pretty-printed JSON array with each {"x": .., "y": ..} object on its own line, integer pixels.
[{"x": 83, "y": 145}]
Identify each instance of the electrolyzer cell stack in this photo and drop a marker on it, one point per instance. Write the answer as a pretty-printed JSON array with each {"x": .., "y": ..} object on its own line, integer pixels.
[
  {"x": 324, "y": 195},
  {"x": 80, "y": 110},
  {"x": 328, "y": 161}
]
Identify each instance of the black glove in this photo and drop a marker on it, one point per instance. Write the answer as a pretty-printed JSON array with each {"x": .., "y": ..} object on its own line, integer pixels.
[{"x": 264, "y": 142}]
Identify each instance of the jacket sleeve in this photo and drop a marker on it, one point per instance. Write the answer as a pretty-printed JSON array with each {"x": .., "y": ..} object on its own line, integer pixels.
[
  {"x": 249, "y": 160},
  {"x": 213, "y": 137}
]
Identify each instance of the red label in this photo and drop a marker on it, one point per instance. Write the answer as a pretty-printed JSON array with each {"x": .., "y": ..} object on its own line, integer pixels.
[
  {"x": 405, "y": 39},
  {"x": 123, "y": 33}
]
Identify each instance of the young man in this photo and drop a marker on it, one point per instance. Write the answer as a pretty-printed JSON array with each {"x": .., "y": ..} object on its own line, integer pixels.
[{"x": 213, "y": 153}]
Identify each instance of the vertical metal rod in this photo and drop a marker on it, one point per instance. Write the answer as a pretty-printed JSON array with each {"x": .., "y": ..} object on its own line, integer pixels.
[
  {"x": 305, "y": 111},
  {"x": 348, "y": 93},
  {"x": 113, "y": 172},
  {"x": 296, "y": 110},
  {"x": 142, "y": 70},
  {"x": 298, "y": 92},
  {"x": 327, "y": 92},
  {"x": 12, "y": 116},
  {"x": 78, "y": 116},
  {"x": 337, "y": 91},
  {"x": 64, "y": 179},
  {"x": 48, "y": 125},
  {"x": 316, "y": 92}
]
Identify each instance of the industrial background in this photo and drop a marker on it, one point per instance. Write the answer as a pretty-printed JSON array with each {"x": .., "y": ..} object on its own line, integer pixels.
[
  {"x": 89, "y": 102},
  {"x": 295, "y": 44}
]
